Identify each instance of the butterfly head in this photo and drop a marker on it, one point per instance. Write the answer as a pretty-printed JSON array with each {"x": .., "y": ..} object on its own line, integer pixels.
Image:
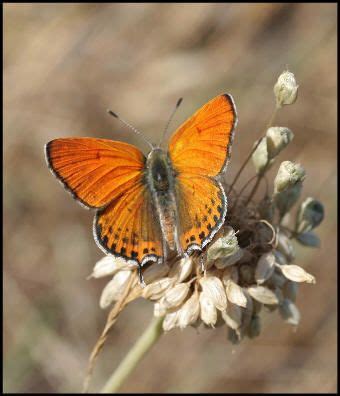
[{"x": 159, "y": 169}]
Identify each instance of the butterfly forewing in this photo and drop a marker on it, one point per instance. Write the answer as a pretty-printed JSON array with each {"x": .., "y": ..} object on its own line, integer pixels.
[
  {"x": 95, "y": 171},
  {"x": 202, "y": 144}
]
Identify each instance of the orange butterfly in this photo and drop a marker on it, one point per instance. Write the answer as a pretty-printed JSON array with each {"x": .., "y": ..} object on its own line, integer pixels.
[{"x": 148, "y": 208}]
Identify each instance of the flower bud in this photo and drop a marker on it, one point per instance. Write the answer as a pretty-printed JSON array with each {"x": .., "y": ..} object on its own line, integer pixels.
[
  {"x": 285, "y": 89},
  {"x": 208, "y": 310},
  {"x": 175, "y": 295},
  {"x": 189, "y": 312},
  {"x": 310, "y": 215},
  {"x": 224, "y": 247},
  {"x": 288, "y": 175},
  {"x": 114, "y": 289},
  {"x": 233, "y": 316},
  {"x": 289, "y": 312},
  {"x": 308, "y": 239},
  {"x": 297, "y": 274},
  {"x": 235, "y": 294},
  {"x": 265, "y": 267},
  {"x": 109, "y": 265},
  {"x": 182, "y": 269},
  {"x": 213, "y": 288},
  {"x": 263, "y": 295},
  {"x": 277, "y": 139},
  {"x": 260, "y": 157}
]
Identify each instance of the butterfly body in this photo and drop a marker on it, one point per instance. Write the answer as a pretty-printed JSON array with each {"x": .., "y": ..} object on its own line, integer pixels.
[
  {"x": 161, "y": 178},
  {"x": 149, "y": 208}
]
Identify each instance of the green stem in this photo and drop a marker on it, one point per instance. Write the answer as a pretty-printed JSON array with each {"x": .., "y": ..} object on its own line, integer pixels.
[{"x": 136, "y": 353}]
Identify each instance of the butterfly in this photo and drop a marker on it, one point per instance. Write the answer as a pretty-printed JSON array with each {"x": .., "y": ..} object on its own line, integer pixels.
[{"x": 149, "y": 208}]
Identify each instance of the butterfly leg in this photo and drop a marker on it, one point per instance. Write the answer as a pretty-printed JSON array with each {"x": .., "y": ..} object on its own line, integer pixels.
[{"x": 140, "y": 275}]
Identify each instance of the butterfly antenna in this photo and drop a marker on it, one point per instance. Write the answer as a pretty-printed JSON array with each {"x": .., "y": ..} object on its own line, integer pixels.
[
  {"x": 170, "y": 118},
  {"x": 131, "y": 127}
]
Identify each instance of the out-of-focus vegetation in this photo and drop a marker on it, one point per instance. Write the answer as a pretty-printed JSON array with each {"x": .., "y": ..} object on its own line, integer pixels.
[{"x": 65, "y": 64}]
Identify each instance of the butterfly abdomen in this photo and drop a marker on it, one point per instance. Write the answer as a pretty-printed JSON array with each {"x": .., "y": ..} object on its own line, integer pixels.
[{"x": 161, "y": 179}]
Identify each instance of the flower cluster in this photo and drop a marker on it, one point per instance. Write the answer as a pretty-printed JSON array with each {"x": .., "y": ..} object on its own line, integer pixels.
[{"x": 250, "y": 265}]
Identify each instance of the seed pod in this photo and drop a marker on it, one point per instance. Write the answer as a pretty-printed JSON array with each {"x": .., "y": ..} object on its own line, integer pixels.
[
  {"x": 309, "y": 239},
  {"x": 263, "y": 295},
  {"x": 114, "y": 289},
  {"x": 280, "y": 258},
  {"x": 208, "y": 310},
  {"x": 230, "y": 273},
  {"x": 285, "y": 89},
  {"x": 155, "y": 290},
  {"x": 285, "y": 200},
  {"x": 158, "y": 310},
  {"x": 254, "y": 327},
  {"x": 170, "y": 321},
  {"x": 224, "y": 262},
  {"x": 154, "y": 272},
  {"x": 289, "y": 312},
  {"x": 265, "y": 267},
  {"x": 233, "y": 316},
  {"x": 234, "y": 336},
  {"x": 290, "y": 290},
  {"x": 235, "y": 294},
  {"x": 297, "y": 274},
  {"x": 109, "y": 265},
  {"x": 248, "y": 311},
  {"x": 277, "y": 139},
  {"x": 310, "y": 214},
  {"x": 182, "y": 269},
  {"x": 285, "y": 246},
  {"x": 189, "y": 312},
  {"x": 213, "y": 288},
  {"x": 174, "y": 296}
]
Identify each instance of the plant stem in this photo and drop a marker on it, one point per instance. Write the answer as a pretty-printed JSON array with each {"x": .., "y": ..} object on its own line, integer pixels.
[
  {"x": 136, "y": 353},
  {"x": 271, "y": 120},
  {"x": 253, "y": 191}
]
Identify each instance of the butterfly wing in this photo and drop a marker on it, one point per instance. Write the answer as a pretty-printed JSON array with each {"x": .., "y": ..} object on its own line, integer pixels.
[
  {"x": 95, "y": 171},
  {"x": 202, "y": 144},
  {"x": 199, "y": 151},
  {"x": 109, "y": 176},
  {"x": 128, "y": 227}
]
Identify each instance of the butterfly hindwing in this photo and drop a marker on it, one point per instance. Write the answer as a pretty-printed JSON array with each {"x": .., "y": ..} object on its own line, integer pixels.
[
  {"x": 95, "y": 171},
  {"x": 202, "y": 144},
  {"x": 128, "y": 227},
  {"x": 202, "y": 205}
]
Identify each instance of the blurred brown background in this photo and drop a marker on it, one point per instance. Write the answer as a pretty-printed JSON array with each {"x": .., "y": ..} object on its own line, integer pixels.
[{"x": 65, "y": 64}]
